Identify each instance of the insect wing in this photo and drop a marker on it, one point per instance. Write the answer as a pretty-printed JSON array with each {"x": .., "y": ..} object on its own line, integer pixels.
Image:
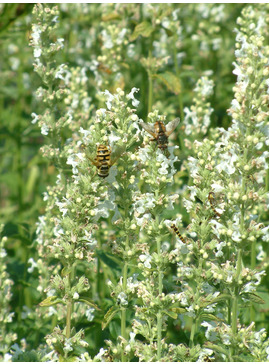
[
  {"x": 171, "y": 126},
  {"x": 116, "y": 153},
  {"x": 149, "y": 128}
]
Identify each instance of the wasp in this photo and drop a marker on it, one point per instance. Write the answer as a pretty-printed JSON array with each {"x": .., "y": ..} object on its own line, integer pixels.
[
  {"x": 160, "y": 132},
  {"x": 211, "y": 199},
  {"x": 105, "y": 158},
  {"x": 173, "y": 226}
]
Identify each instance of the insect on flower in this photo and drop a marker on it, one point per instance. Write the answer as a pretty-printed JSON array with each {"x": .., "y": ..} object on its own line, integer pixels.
[
  {"x": 105, "y": 158},
  {"x": 173, "y": 226},
  {"x": 211, "y": 199},
  {"x": 160, "y": 132},
  {"x": 104, "y": 69}
]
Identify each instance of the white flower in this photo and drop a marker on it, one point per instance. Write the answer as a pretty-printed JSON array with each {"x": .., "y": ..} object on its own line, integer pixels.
[
  {"x": 110, "y": 98},
  {"x": 63, "y": 206},
  {"x": 89, "y": 314},
  {"x": 210, "y": 334},
  {"x": 143, "y": 220},
  {"x": 60, "y": 71},
  {"x": 113, "y": 138},
  {"x": 121, "y": 36},
  {"x": 33, "y": 265},
  {"x": 135, "y": 102},
  {"x": 219, "y": 247},
  {"x": 67, "y": 345},
  {"x": 76, "y": 296},
  {"x": 204, "y": 353},
  {"x": 191, "y": 312},
  {"x": 107, "y": 40},
  {"x": 132, "y": 337},
  {"x": 44, "y": 129},
  {"x": 99, "y": 356},
  {"x": 36, "y": 31},
  {"x": 146, "y": 259},
  {"x": 122, "y": 299},
  {"x": 204, "y": 86},
  {"x": 216, "y": 187},
  {"x": 37, "y": 52},
  {"x": 60, "y": 42},
  {"x": 226, "y": 339},
  {"x": 103, "y": 208}
]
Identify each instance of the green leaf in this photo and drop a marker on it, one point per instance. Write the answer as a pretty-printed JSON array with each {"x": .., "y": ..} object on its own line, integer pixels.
[
  {"x": 88, "y": 301},
  {"x": 178, "y": 310},
  {"x": 65, "y": 271},
  {"x": 168, "y": 32},
  {"x": 253, "y": 297},
  {"x": 109, "y": 316},
  {"x": 221, "y": 297},
  {"x": 108, "y": 260},
  {"x": 144, "y": 29},
  {"x": 210, "y": 317},
  {"x": 50, "y": 301},
  {"x": 170, "y": 80},
  {"x": 170, "y": 314},
  {"x": 217, "y": 348},
  {"x": 111, "y": 16}
]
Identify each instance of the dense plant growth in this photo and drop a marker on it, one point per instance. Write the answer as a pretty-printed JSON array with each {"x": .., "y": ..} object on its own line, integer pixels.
[{"x": 145, "y": 129}]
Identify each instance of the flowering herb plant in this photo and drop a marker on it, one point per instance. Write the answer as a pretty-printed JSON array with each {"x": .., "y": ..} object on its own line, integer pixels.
[{"x": 151, "y": 245}]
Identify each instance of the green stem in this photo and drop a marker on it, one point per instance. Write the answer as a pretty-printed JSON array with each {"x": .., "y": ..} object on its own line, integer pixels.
[
  {"x": 193, "y": 330},
  {"x": 68, "y": 319},
  {"x": 159, "y": 336},
  {"x": 150, "y": 95},
  {"x": 159, "y": 314},
  {"x": 253, "y": 266},
  {"x": 180, "y": 102},
  {"x": 267, "y": 181},
  {"x": 229, "y": 320},
  {"x": 124, "y": 287},
  {"x": 69, "y": 307},
  {"x": 178, "y": 76},
  {"x": 234, "y": 314},
  {"x": 236, "y": 296}
]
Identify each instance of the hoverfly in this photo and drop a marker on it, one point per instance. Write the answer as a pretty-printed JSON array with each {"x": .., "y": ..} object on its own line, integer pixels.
[
  {"x": 104, "y": 69},
  {"x": 211, "y": 199},
  {"x": 105, "y": 158},
  {"x": 173, "y": 226},
  {"x": 160, "y": 132}
]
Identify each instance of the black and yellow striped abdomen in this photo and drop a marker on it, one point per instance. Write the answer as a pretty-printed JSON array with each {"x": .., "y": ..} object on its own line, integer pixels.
[
  {"x": 173, "y": 226},
  {"x": 103, "y": 160}
]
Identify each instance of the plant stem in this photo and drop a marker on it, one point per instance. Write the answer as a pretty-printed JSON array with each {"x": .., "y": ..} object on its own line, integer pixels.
[
  {"x": 150, "y": 94},
  {"x": 68, "y": 319},
  {"x": 68, "y": 312},
  {"x": 229, "y": 320},
  {"x": 253, "y": 265},
  {"x": 236, "y": 295},
  {"x": 150, "y": 80},
  {"x": 159, "y": 314},
  {"x": 179, "y": 95},
  {"x": 193, "y": 329},
  {"x": 159, "y": 335},
  {"x": 124, "y": 287},
  {"x": 178, "y": 76}
]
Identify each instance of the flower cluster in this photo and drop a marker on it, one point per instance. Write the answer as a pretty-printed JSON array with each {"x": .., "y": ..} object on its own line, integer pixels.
[
  {"x": 111, "y": 219},
  {"x": 5, "y": 315},
  {"x": 197, "y": 117}
]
